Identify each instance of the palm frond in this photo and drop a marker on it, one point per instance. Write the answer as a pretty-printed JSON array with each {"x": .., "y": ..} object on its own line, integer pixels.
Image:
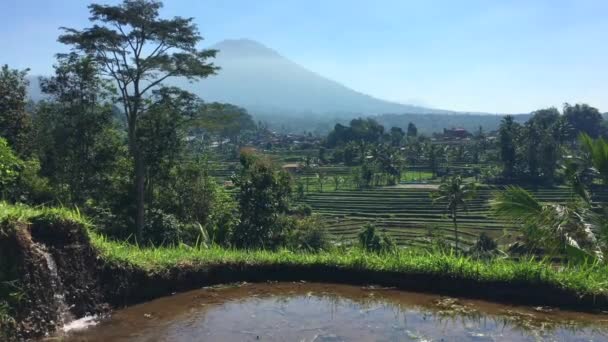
[{"x": 515, "y": 204}]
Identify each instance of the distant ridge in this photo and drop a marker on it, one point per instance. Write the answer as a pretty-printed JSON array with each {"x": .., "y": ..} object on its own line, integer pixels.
[
  {"x": 283, "y": 93},
  {"x": 262, "y": 80}
]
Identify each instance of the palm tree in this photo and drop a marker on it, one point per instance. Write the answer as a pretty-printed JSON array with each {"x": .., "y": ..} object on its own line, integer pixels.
[
  {"x": 320, "y": 179},
  {"x": 597, "y": 151},
  {"x": 455, "y": 193},
  {"x": 308, "y": 163},
  {"x": 574, "y": 173},
  {"x": 555, "y": 227},
  {"x": 432, "y": 156},
  {"x": 337, "y": 181}
]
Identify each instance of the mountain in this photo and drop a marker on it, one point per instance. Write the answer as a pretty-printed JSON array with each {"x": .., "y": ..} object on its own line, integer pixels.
[
  {"x": 291, "y": 98},
  {"x": 260, "y": 79}
]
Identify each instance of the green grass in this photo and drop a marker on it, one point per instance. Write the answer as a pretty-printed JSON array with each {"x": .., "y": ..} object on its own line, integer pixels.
[
  {"x": 584, "y": 279},
  {"x": 407, "y": 213},
  {"x": 348, "y": 184},
  {"x": 589, "y": 279},
  {"x": 11, "y": 215},
  {"x": 411, "y": 175}
]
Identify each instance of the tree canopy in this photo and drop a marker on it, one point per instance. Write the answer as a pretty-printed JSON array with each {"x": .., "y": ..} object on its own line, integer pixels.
[{"x": 138, "y": 50}]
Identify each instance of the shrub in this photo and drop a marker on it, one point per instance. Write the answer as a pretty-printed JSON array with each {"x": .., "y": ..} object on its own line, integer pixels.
[
  {"x": 437, "y": 241},
  {"x": 302, "y": 210},
  {"x": 31, "y": 187},
  {"x": 485, "y": 247},
  {"x": 374, "y": 241},
  {"x": 309, "y": 234},
  {"x": 10, "y": 166},
  {"x": 222, "y": 220},
  {"x": 165, "y": 229},
  {"x": 300, "y": 191},
  {"x": 263, "y": 197},
  {"x": 109, "y": 222}
]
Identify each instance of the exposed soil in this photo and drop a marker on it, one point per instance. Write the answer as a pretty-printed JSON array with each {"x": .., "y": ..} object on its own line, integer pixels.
[
  {"x": 130, "y": 286},
  {"x": 88, "y": 282},
  {"x": 38, "y": 312}
]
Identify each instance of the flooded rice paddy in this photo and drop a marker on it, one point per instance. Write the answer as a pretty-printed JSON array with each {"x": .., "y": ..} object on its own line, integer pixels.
[{"x": 326, "y": 312}]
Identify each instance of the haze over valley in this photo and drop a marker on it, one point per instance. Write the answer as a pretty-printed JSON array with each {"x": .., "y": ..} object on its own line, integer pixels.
[{"x": 291, "y": 98}]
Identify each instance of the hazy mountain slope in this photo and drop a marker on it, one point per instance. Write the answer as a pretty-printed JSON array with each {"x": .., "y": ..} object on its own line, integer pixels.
[
  {"x": 291, "y": 98},
  {"x": 259, "y": 79}
]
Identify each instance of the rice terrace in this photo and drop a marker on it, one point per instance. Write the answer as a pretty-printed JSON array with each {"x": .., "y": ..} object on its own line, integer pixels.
[{"x": 350, "y": 171}]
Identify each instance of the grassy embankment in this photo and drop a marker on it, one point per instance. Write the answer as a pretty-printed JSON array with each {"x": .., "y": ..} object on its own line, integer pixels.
[
  {"x": 586, "y": 279},
  {"x": 415, "y": 268}
]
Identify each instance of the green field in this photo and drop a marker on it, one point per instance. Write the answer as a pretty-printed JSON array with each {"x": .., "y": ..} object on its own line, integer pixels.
[{"x": 408, "y": 213}]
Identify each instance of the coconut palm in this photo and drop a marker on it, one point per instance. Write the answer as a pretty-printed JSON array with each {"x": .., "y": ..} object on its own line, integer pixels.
[
  {"x": 554, "y": 227},
  {"x": 574, "y": 173},
  {"x": 597, "y": 152},
  {"x": 455, "y": 193},
  {"x": 308, "y": 166},
  {"x": 320, "y": 176},
  {"x": 337, "y": 179}
]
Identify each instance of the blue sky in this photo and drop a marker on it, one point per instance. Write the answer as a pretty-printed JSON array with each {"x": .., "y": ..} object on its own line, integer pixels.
[{"x": 493, "y": 56}]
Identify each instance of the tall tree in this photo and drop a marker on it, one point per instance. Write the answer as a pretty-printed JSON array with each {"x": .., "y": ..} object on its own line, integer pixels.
[
  {"x": 162, "y": 130},
  {"x": 76, "y": 136},
  {"x": 396, "y": 136},
  {"x": 15, "y": 123},
  {"x": 433, "y": 153},
  {"x": 455, "y": 193},
  {"x": 139, "y": 50},
  {"x": 583, "y": 119},
  {"x": 412, "y": 131},
  {"x": 507, "y": 135},
  {"x": 532, "y": 136}
]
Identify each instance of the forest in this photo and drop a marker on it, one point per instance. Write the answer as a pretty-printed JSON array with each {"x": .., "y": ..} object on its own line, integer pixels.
[{"x": 158, "y": 179}]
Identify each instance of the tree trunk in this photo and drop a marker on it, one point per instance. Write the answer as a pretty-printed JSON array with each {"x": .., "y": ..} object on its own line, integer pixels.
[
  {"x": 140, "y": 181},
  {"x": 455, "y": 228},
  {"x": 139, "y": 177}
]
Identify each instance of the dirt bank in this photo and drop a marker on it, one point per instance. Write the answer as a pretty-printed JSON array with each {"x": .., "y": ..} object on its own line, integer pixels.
[
  {"x": 127, "y": 285},
  {"x": 83, "y": 281},
  {"x": 54, "y": 271}
]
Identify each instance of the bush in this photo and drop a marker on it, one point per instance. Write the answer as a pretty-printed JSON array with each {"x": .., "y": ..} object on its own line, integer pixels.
[
  {"x": 300, "y": 191},
  {"x": 109, "y": 222},
  {"x": 165, "y": 229},
  {"x": 10, "y": 167},
  {"x": 485, "y": 247},
  {"x": 373, "y": 241},
  {"x": 31, "y": 187},
  {"x": 309, "y": 234},
  {"x": 302, "y": 210},
  {"x": 222, "y": 220},
  {"x": 263, "y": 198}
]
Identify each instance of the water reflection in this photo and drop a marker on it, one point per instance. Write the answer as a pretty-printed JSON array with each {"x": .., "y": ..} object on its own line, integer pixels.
[{"x": 322, "y": 312}]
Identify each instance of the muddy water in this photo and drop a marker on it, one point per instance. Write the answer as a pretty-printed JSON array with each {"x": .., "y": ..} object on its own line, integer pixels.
[{"x": 322, "y": 312}]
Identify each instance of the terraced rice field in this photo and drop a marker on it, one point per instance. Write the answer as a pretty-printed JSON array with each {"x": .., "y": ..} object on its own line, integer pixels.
[{"x": 408, "y": 213}]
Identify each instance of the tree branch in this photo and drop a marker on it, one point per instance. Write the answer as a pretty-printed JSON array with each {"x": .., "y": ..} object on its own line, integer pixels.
[{"x": 155, "y": 83}]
